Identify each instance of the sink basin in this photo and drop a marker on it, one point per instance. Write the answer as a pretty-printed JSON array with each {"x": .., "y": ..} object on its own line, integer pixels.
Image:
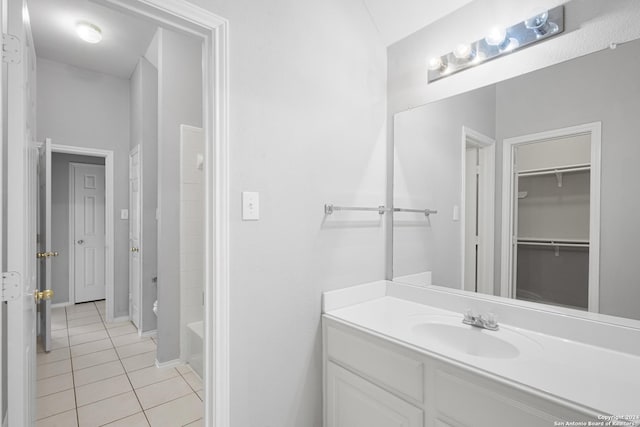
[{"x": 454, "y": 335}]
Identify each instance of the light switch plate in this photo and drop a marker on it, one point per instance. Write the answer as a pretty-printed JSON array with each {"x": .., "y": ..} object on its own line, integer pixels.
[
  {"x": 250, "y": 206},
  {"x": 124, "y": 213},
  {"x": 456, "y": 213}
]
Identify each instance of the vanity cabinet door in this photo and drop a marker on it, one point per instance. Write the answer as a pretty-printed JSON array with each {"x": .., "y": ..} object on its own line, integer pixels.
[
  {"x": 462, "y": 399},
  {"x": 355, "y": 402}
]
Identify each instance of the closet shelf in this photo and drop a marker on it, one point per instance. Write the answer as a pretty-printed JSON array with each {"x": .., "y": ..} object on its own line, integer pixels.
[{"x": 558, "y": 172}]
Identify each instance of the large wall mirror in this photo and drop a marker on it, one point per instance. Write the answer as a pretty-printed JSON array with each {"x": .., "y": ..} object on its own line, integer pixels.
[{"x": 535, "y": 181}]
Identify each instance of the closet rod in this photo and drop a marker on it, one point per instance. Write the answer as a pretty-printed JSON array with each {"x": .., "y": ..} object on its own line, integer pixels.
[
  {"x": 330, "y": 209},
  {"x": 554, "y": 244},
  {"x": 547, "y": 240},
  {"x": 426, "y": 212}
]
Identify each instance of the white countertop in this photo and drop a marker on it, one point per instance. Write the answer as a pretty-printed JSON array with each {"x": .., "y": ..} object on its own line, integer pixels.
[{"x": 604, "y": 380}]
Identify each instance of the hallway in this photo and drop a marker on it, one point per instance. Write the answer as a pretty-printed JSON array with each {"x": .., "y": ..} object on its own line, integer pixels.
[{"x": 101, "y": 373}]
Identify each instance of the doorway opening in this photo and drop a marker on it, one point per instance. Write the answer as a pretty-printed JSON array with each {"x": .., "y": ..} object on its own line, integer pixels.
[
  {"x": 551, "y": 217},
  {"x": 211, "y": 32}
]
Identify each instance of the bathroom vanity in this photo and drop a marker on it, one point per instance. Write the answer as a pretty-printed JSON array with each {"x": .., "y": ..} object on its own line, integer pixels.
[{"x": 399, "y": 355}]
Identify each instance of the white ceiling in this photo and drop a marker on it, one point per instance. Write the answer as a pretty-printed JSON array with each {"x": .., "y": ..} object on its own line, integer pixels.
[
  {"x": 396, "y": 19},
  {"x": 124, "y": 41}
]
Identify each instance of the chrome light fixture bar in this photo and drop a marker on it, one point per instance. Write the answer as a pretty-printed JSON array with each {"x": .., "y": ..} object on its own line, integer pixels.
[{"x": 499, "y": 42}]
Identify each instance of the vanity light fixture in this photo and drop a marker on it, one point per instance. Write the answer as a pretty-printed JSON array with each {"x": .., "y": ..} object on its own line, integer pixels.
[
  {"x": 89, "y": 32},
  {"x": 498, "y": 41},
  {"x": 496, "y": 36},
  {"x": 464, "y": 51},
  {"x": 436, "y": 64},
  {"x": 540, "y": 24}
]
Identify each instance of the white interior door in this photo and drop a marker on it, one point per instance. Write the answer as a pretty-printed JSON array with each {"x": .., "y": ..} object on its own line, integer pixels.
[
  {"x": 135, "y": 222},
  {"x": 88, "y": 204},
  {"x": 21, "y": 211},
  {"x": 471, "y": 220},
  {"x": 47, "y": 255}
]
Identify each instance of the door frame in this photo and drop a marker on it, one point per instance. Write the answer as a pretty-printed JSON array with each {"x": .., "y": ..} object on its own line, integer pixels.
[
  {"x": 213, "y": 30},
  {"x": 594, "y": 129},
  {"x": 109, "y": 253},
  {"x": 487, "y": 155},
  {"x": 136, "y": 149}
]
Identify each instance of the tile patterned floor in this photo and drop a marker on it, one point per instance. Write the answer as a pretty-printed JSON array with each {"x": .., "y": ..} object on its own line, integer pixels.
[{"x": 103, "y": 374}]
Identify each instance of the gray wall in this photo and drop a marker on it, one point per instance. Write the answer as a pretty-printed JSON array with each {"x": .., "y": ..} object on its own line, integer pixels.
[
  {"x": 427, "y": 174},
  {"x": 179, "y": 102},
  {"x": 144, "y": 132},
  {"x": 578, "y": 92},
  {"x": 88, "y": 109},
  {"x": 307, "y": 127},
  {"x": 60, "y": 220}
]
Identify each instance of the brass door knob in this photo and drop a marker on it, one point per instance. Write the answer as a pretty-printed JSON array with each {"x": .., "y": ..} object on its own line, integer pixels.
[
  {"x": 45, "y": 295},
  {"x": 135, "y": 250},
  {"x": 46, "y": 254}
]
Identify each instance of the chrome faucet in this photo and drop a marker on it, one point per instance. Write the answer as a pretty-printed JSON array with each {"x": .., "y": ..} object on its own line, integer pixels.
[{"x": 480, "y": 321}]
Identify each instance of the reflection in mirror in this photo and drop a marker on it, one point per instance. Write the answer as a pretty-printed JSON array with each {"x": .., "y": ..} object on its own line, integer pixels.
[{"x": 534, "y": 180}]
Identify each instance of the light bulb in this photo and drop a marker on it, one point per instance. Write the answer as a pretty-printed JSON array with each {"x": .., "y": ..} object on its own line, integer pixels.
[
  {"x": 463, "y": 51},
  {"x": 435, "y": 64},
  {"x": 540, "y": 24},
  {"x": 509, "y": 45},
  {"x": 496, "y": 36},
  {"x": 537, "y": 21},
  {"x": 89, "y": 32}
]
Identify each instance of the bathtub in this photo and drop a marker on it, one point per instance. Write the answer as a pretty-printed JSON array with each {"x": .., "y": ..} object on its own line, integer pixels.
[{"x": 195, "y": 346}]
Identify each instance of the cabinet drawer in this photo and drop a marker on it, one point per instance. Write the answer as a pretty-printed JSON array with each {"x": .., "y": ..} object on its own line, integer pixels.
[
  {"x": 355, "y": 402},
  {"x": 385, "y": 366}
]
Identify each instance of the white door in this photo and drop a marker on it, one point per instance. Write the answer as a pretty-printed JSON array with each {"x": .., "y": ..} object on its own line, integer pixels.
[
  {"x": 46, "y": 255},
  {"x": 135, "y": 258},
  {"x": 471, "y": 220},
  {"x": 88, "y": 204},
  {"x": 21, "y": 219}
]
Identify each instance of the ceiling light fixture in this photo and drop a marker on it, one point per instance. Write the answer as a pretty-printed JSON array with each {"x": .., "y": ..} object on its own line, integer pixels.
[
  {"x": 89, "y": 32},
  {"x": 498, "y": 42}
]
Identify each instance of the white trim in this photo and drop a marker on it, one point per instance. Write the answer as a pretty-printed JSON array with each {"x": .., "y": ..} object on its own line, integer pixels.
[
  {"x": 150, "y": 334},
  {"x": 109, "y": 253},
  {"x": 120, "y": 319},
  {"x": 137, "y": 149},
  {"x": 593, "y": 129},
  {"x": 169, "y": 364},
  {"x": 61, "y": 304},
  {"x": 213, "y": 29},
  {"x": 486, "y": 207},
  {"x": 594, "y": 217}
]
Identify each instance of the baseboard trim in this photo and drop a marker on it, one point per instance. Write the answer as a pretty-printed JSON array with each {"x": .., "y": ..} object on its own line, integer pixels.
[
  {"x": 120, "y": 319},
  {"x": 61, "y": 304},
  {"x": 170, "y": 364},
  {"x": 149, "y": 334}
]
